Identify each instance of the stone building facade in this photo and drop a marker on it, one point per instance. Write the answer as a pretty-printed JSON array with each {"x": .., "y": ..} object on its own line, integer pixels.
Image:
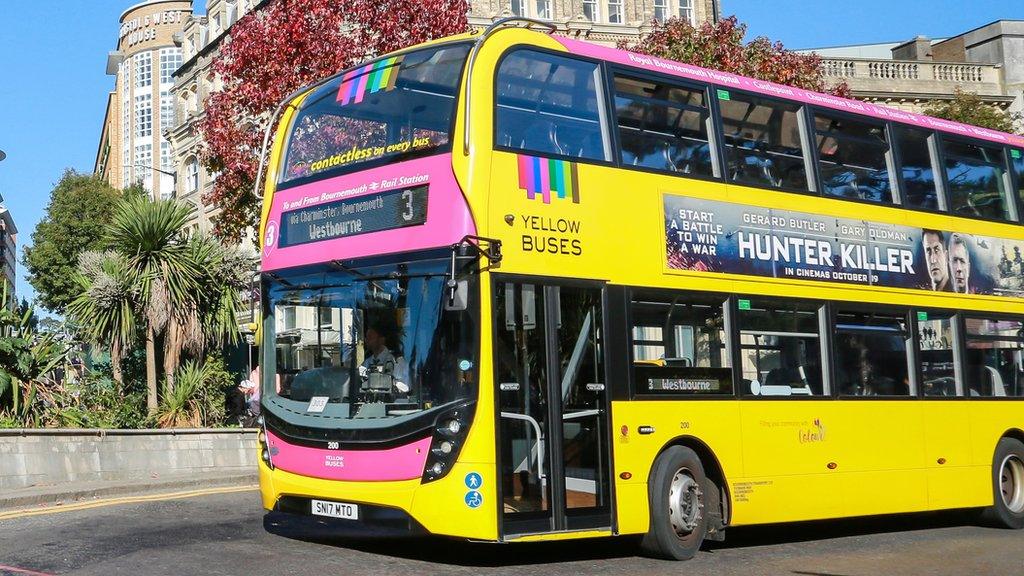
[
  {"x": 8, "y": 251},
  {"x": 132, "y": 147},
  {"x": 200, "y": 40},
  {"x": 988, "y": 61},
  {"x": 600, "y": 21}
]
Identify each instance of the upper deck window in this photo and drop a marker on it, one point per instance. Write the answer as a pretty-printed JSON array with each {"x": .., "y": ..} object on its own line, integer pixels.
[
  {"x": 853, "y": 158},
  {"x": 762, "y": 141},
  {"x": 978, "y": 184},
  {"x": 917, "y": 168},
  {"x": 663, "y": 126},
  {"x": 549, "y": 104},
  {"x": 388, "y": 110}
]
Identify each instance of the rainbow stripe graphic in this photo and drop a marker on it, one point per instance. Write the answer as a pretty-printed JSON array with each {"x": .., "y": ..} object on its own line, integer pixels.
[
  {"x": 546, "y": 177},
  {"x": 373, "y": 77}
]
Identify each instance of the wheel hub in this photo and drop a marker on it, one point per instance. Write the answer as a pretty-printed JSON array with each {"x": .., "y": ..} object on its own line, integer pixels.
[
  {"x": 1011, "y": 483},
  {"x": 685, "y": 503}
]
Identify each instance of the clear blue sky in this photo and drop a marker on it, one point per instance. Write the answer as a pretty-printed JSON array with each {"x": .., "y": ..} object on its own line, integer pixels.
[{"x": 53, "y": 88}]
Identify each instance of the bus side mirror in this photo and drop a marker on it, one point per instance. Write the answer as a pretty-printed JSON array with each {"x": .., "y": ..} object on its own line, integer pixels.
[{"x": 458, "y": 296}]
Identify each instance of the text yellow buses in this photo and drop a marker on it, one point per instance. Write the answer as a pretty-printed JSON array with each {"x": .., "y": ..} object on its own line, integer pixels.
[{"x": 521, "y": 287}]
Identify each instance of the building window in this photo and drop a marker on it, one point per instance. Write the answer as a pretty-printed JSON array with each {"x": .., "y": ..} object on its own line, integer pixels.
[
  {"x": 661, "y": 10},
  {"x": 591, "y": 11},
  {"x": 144, "y": 115},
  {"x": 232, "y": 12},
  {"x": 144, "y": 162},
  {"x": 170, "y": 60},
  {"x": 143, "y": 70},
  {"x": 166, "y": 162},
  {"x": 615, "y": 11},
  {"x": 166, "y": 111},
  {"x": 686, "y": 11},
  {"x": 191, "y": 176},
  {"x": 544, "y": 9},
  {"x": 518, "y": 7}
]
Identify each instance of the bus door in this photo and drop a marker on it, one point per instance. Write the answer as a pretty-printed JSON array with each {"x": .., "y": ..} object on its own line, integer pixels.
[{"x": 553, "y": 408}]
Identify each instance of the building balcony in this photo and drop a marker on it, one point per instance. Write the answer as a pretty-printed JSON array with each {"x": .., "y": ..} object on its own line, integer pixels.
[{"x": 873, "y": 78}]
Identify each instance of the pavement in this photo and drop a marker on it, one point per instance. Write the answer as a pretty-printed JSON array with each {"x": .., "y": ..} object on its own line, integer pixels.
[{"x": 46, "y": 495}]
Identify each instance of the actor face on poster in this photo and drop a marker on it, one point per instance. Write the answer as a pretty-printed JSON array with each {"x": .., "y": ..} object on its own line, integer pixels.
[
  {"x": 936, "y": 256},
  {"x": 960, "y": 263}
]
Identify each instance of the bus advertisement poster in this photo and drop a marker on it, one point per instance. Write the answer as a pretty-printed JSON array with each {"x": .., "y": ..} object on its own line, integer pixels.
[{"x": 711, "y": 236}]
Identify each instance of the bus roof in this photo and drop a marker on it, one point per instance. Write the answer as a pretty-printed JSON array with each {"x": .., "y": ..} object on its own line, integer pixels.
[{"x": 728, "y": 80}]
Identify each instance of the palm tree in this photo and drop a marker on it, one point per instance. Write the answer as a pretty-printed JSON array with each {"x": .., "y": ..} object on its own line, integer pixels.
[
  {"x": 210, "y": 318},
  {"x": 104, "y": 309},
  {"x": 152, "y": 238}
]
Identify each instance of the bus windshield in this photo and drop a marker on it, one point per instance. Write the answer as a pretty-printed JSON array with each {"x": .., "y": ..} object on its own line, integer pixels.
[
  {"x": 362, "y": 344},
  {"x": 393, "y": 108}
]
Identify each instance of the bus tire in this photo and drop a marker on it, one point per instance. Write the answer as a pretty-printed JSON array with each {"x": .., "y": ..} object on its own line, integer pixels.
[
  {"x": 1008, "y": 484},
  {"x": 676, "y": 495}
]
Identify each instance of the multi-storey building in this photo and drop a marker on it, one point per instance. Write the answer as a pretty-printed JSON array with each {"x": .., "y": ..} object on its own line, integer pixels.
[
  {"x": 988, "y": 61},
  {"x": 132, "y": 147},
  {"x": 8, "y": 250}
]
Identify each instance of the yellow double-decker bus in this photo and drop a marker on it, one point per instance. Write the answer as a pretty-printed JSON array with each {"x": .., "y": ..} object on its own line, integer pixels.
[{"x": 520, "y": 287}]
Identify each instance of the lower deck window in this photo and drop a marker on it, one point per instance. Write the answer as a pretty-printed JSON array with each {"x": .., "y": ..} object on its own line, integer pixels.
[
  {"x": 679, "y": 345},
  {"x": 871, "y": 354},
  {"x": 995, "y": 357},
  {"x": 780, "y": 350}
]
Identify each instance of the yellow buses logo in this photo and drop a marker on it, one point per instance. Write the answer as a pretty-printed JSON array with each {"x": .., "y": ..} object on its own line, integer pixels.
[
  {"x": 547, "y": 178},
  {"x": 816, "y": 433}
]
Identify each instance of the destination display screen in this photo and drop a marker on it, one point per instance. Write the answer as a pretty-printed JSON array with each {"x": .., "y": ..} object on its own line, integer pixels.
[
  {"x": 656, "y": 379},
  {"x": 353, "y": 216}
]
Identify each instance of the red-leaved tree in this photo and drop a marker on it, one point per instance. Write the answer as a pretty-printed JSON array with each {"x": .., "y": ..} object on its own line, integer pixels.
[
  {"x": 281, "y": 47},
  {"x": 720, "y": 46}
]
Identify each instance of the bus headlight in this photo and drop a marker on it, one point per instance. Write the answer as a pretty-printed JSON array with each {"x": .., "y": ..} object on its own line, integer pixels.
[{"x": 450, "y": 431}]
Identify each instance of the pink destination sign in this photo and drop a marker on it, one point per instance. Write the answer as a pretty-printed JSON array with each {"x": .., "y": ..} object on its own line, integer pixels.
[
  {"x": 351, "y": 202},
  {"x": 400, "y": 463},
  {"x": 727, "y": 80}
]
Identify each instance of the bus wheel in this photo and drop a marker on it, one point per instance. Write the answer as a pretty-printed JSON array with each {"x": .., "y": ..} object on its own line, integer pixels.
[
  {"x": 678, "y": 521},
  {"x": 1008, "y": 484}
]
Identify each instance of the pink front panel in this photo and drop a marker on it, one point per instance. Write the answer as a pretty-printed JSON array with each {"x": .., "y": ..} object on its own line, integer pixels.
[
  {"x": 726, "y": 80},
  {"x": 448, "y": 217},
  {"x": 401, "y": 463}
]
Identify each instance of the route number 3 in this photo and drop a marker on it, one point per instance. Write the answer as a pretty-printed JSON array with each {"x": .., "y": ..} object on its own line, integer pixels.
[{"x": 407, "y": 196}]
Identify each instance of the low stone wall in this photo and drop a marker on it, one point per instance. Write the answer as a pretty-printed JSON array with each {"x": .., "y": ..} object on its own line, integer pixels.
[{"x": 44, "y": 457}]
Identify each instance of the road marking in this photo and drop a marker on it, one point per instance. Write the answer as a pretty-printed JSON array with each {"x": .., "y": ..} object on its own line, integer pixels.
[
  {"x": 18, "y": 571},
  {"x": 125, "y": 500}
]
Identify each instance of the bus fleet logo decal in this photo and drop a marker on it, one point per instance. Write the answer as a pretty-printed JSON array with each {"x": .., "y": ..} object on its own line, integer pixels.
[
  {"x": 813, "y": 434},
  {"x": 373, "y": 77},
  {"x": 546, "y": 177}
]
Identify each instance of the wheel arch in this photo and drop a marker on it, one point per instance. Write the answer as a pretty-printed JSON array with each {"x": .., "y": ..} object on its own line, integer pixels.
[
  {"x": 712, "y": 470},
  {"x": 1015, "y": 433}
]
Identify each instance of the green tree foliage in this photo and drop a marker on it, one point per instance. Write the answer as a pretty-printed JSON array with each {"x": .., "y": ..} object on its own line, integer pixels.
[
  {"x": 969, "y": 108},
  {"x": 198, "y": 396},
  {"x": 80, "y": 207},
  {"x": 157, "y": 283},
  {"x": 721, "y": 46},
  {"x": 28, "y": 361}
]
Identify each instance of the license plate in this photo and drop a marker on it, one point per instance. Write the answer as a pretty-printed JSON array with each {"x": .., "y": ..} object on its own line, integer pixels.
[{"x": 336, "y": 509}]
